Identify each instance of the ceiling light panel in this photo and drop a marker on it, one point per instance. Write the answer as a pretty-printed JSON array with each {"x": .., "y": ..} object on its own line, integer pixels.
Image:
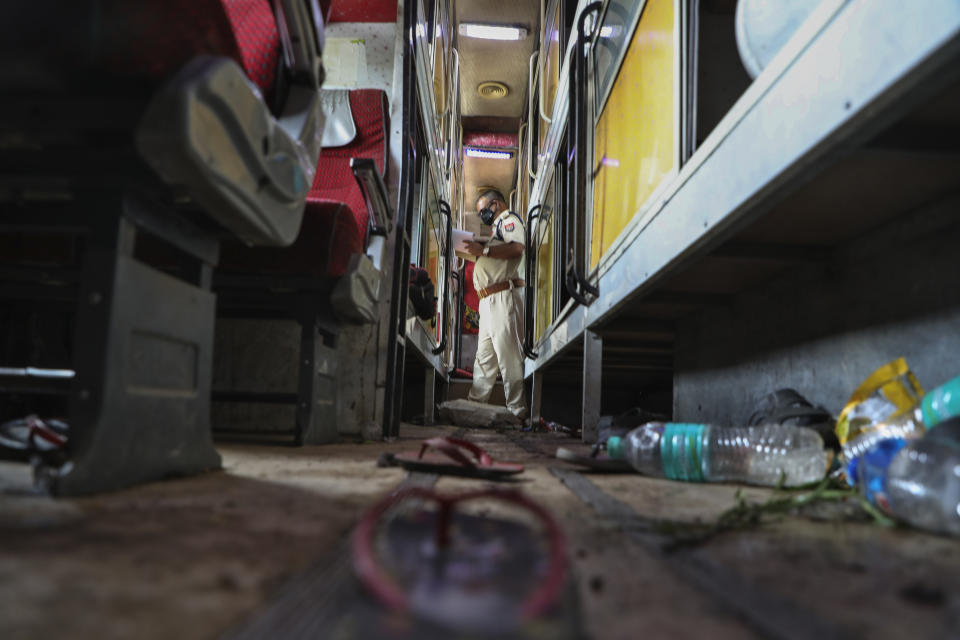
[
  {"x": 487, "y": 153},
  {"x": 492, "y": 31}
]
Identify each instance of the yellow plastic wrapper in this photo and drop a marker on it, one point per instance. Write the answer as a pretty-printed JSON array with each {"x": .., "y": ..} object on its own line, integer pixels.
[{"x": 886, "y": 395}]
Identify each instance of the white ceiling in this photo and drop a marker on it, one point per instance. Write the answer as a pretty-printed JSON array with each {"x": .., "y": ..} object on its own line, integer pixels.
[{"x": 493, "y": 60}]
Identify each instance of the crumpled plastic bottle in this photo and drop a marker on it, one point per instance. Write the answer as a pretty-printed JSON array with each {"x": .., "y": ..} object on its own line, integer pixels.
[{"x": 916, "y": 481}]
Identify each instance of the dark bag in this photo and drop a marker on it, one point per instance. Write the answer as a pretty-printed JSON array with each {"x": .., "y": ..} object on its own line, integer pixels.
[{"x": 422, "y": 293}]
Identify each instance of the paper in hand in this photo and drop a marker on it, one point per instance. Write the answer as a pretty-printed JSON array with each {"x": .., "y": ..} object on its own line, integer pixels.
[{"x": 460, "y": 240}]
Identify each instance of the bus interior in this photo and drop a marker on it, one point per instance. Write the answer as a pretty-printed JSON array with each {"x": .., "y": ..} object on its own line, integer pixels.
[{"x": 233, "y": 319}]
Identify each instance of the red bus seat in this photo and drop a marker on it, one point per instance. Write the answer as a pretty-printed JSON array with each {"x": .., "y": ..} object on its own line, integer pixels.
[
  {"x": 134, "y": 115},
  {"x": 336, "y": 219},
  {"x": 471, "y": 302},
  {"x": 159, "y": 37},
  {"x": 328, "y": 276}
]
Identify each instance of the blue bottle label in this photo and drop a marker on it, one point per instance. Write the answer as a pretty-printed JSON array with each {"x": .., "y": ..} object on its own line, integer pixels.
[
  {"x": 870, "y": 470},
  {"x": 681, "y": 451}
]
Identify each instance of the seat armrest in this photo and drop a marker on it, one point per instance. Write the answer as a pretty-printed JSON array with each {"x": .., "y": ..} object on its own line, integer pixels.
[
  {"x": 209, "y": 130},
  {"x": 374, "y": 192}
]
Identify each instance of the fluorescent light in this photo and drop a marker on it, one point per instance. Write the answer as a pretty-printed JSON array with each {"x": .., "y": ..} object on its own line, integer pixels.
[
  {"x": 36, "y": 372},
  {"x": 492, "y": 31},
  {"x": 486, "y": 153}
]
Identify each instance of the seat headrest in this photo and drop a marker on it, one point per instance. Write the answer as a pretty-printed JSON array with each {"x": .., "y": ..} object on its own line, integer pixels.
[{"x": 340, "y": 128}]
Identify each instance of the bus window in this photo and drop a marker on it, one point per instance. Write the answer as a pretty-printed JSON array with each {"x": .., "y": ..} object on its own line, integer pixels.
[
  {"x": 549, "y": 67},
  {"x": 636, "y": 140},
  {"x": 431, "y": 244}
]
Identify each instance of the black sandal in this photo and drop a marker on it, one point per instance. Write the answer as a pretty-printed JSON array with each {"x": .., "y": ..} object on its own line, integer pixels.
[{"x": 787, "y": 406}]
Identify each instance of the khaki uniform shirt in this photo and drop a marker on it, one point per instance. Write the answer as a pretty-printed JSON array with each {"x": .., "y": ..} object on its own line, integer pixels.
[{"x": 507, "y": 228}]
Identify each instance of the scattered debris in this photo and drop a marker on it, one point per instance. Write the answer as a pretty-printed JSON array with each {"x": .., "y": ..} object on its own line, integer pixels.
[
  {"x": 549, "y": 426},
  {"x": 899, "y": 447},
  {"x": 746, "y": 515}
]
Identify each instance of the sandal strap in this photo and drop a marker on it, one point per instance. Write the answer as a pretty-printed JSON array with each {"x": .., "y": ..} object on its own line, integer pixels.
[
  {"x": 453, "y": 448},
  {"x": 39, "y": 429},
  {"x": 544, "y": 595}
]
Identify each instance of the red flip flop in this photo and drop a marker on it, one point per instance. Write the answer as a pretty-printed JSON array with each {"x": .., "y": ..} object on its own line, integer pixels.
[
  {"x": 467, "y": 572},
  {"x": 453, "y": 456}
]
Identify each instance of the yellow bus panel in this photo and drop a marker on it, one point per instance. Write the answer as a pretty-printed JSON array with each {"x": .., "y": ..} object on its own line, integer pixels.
[
  {"x": 544, "y": 291},
  {"x": 544, "y": 312},
  {"x": 551, "y": 70},
  {"x": 635, "y": 146}
]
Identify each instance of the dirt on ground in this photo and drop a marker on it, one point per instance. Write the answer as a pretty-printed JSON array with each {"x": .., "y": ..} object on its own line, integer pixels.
[
  {"x": 184, "y": 558},
  {"x": 201, "y": 557}
]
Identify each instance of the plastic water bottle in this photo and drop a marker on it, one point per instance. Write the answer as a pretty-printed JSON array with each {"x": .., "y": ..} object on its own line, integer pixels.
[
  {"x": 939, "y": 405},
  {"x": 763, "y": 455},
  {"x": 917, "y": 481}
]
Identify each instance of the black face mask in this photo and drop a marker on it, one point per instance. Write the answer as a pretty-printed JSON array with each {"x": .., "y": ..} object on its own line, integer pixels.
[{"x": 487, "y": 216}]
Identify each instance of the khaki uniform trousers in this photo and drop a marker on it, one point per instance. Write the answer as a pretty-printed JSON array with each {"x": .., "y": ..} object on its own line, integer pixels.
[{"x": 499, "y": 348}]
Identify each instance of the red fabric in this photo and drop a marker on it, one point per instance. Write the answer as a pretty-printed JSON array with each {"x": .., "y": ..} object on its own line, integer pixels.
[
  {"x": 490, "y": 140},
  {"x": 470, "y": 298},
  {"x": 159, "y": 37},
  {"x": 321, "y": 250},
  {"x": 335, "y": 220},
  {"x": 334, "y": 181},
  {"x": 363, "y": 11},
  {"x": 257, "y": 37}
]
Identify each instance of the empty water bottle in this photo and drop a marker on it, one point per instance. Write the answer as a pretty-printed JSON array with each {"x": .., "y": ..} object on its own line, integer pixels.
[
  {"x": 917, "y": 481},
  {"x": 766, "y": 455}
]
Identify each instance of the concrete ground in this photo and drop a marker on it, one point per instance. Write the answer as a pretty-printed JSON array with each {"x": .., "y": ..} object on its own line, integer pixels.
[{"x": 204, "y": 557}]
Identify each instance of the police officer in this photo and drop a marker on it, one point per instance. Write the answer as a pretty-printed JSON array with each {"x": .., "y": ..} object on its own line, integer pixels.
[{"x": 501, "y": 319}]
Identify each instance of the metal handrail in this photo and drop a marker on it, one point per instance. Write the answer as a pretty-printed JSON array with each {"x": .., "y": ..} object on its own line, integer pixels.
[
  {"x": 447, "y": 254},
  {"x": 578, "y": 286},
  {"x": 520, "y": 142},
  {"x": 455, "y": 113},
  {"x": 367, "y": 175},
  {"x": 529, "y": 289},
  {"x": 530, "y": 115},
  {"x": 458, "y": 340},
  {"x": 541, "y": 72}
]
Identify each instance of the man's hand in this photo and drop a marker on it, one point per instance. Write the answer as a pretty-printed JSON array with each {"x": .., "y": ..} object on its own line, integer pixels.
[{"x": 474, "y": 248}]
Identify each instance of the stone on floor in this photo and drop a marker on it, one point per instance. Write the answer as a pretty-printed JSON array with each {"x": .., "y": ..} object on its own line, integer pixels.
[{"x": 476, "y": 415}]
